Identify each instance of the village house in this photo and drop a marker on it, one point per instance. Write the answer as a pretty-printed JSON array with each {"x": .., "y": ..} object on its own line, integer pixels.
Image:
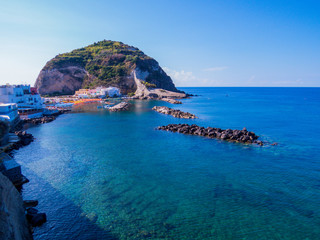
[
  {"x": 27, "y": 99},
  {"x": 82, "y": 92},
  {"x": 22, "y": 95},
  {"x": 98, "y": 92}
]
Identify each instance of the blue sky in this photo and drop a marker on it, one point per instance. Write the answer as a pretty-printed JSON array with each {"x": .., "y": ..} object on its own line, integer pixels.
[{"x": 198, "y": 43}]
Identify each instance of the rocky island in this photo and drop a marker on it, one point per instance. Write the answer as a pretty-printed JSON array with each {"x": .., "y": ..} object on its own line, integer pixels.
[
  {"x": 170, "y": 100},
  {"x": 109, "y": 64},
  {"x": 123, "y": 106},
  {"x": 173, "y": 112}
]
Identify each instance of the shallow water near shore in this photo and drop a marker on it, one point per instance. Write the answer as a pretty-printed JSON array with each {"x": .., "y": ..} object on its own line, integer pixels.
[{"x": 104, "y": 175}]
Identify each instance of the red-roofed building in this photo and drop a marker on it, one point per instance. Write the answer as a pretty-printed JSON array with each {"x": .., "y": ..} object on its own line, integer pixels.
[{"x": 33, "y": 90}]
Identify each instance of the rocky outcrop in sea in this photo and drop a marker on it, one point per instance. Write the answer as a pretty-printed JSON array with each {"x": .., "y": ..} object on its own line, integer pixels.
[
  {"x": 170, "y": 100},
  {"x": 145, "y": 91},
  {"x": 242, "y": 136},
  {"x": 123, "y": 106},
  {"x": 173, "y": 112}
]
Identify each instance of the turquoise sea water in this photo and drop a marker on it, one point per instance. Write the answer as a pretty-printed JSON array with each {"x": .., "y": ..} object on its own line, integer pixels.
[{"x": 113, "y": 176}]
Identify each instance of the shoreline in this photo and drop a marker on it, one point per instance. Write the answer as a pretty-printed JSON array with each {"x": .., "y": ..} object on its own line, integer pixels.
[
  {"x": 26, "y": 124},
  {"x": 31, "y": 215}
]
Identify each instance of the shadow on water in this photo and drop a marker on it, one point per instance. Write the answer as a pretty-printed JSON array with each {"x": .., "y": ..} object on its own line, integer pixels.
[{"x": 65, "y": 220}]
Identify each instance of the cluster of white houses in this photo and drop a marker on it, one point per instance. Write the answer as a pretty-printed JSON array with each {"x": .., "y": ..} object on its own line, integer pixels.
[
  {"x": 16, "y": 102},
  {"x": 99, "y": 92},
  {"x": 22, "y": 101},
  {"x": 19, "y": 101}
]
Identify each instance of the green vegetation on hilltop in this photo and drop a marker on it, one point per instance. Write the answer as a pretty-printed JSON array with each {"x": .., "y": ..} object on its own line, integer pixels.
[
  {"x": 106, "y": 60},
  {"x": 105, "y": 63}
]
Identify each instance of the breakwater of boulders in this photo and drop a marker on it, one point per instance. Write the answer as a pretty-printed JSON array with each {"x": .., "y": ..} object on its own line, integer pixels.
[
  {"x": 41, "y": 120},
  {"x": 25, "y": 123},
  {"x": 45, "y": 118},
  {"x": 242, "y": 136},
  {"x": 173, "y": 112}
]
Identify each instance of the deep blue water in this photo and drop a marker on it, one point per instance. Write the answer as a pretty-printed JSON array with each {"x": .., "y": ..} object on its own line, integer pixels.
[{"x": 113, "y": 176}]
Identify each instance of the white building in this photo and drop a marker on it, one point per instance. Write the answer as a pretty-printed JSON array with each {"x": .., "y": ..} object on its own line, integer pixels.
[
  {"x": 11, "y": 94},
  {"x": 109, "y": 92},
  {"x": 98, "y": 92},
  {"x": 23, "y": 95},
  {"x": 9, "y": 111}
]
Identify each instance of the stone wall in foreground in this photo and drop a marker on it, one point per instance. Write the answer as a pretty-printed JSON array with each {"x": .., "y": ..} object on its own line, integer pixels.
[{"x": 13, "y": 223}]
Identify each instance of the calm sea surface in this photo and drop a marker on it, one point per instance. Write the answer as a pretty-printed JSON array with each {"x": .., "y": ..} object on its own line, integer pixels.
[{"x": 113, "y": 176}]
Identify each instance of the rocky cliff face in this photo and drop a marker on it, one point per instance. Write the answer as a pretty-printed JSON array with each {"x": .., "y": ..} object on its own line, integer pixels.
[
  {"x": 64, "y": 80},
  {"x": 144, "y": 92},
  {"x": 13, "y": 223},
  {"x": 106, "y": 63}
]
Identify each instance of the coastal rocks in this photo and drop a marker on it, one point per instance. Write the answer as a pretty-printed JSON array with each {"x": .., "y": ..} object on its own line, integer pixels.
[
  {"x": 242, "y": 136},
  {"x": 123, "y": 106},
  {"x": 58, "y": 113},
  {"x": 173, "y": 112},
  {"x": 170, "y": 100},
  {"x": 13, "y": 223},
  {"x": 145, "y": 92},
  {"x": 35, "y": 218},
  {"x": 25, "y": 139},
  {"x": 37, "y": 121},
  {"x": 42, "y": 120},
  {"x": 30, "y": 203}
]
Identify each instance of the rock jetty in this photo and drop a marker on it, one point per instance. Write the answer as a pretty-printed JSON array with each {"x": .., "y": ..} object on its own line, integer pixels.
[
  {"x": 242, "y": 136},
  {"x": 173, "y": 112},
  {"x": 123, "y": 106},
  {"x": 37, "y": 121},
  {"x": 170, "y": 100}
]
